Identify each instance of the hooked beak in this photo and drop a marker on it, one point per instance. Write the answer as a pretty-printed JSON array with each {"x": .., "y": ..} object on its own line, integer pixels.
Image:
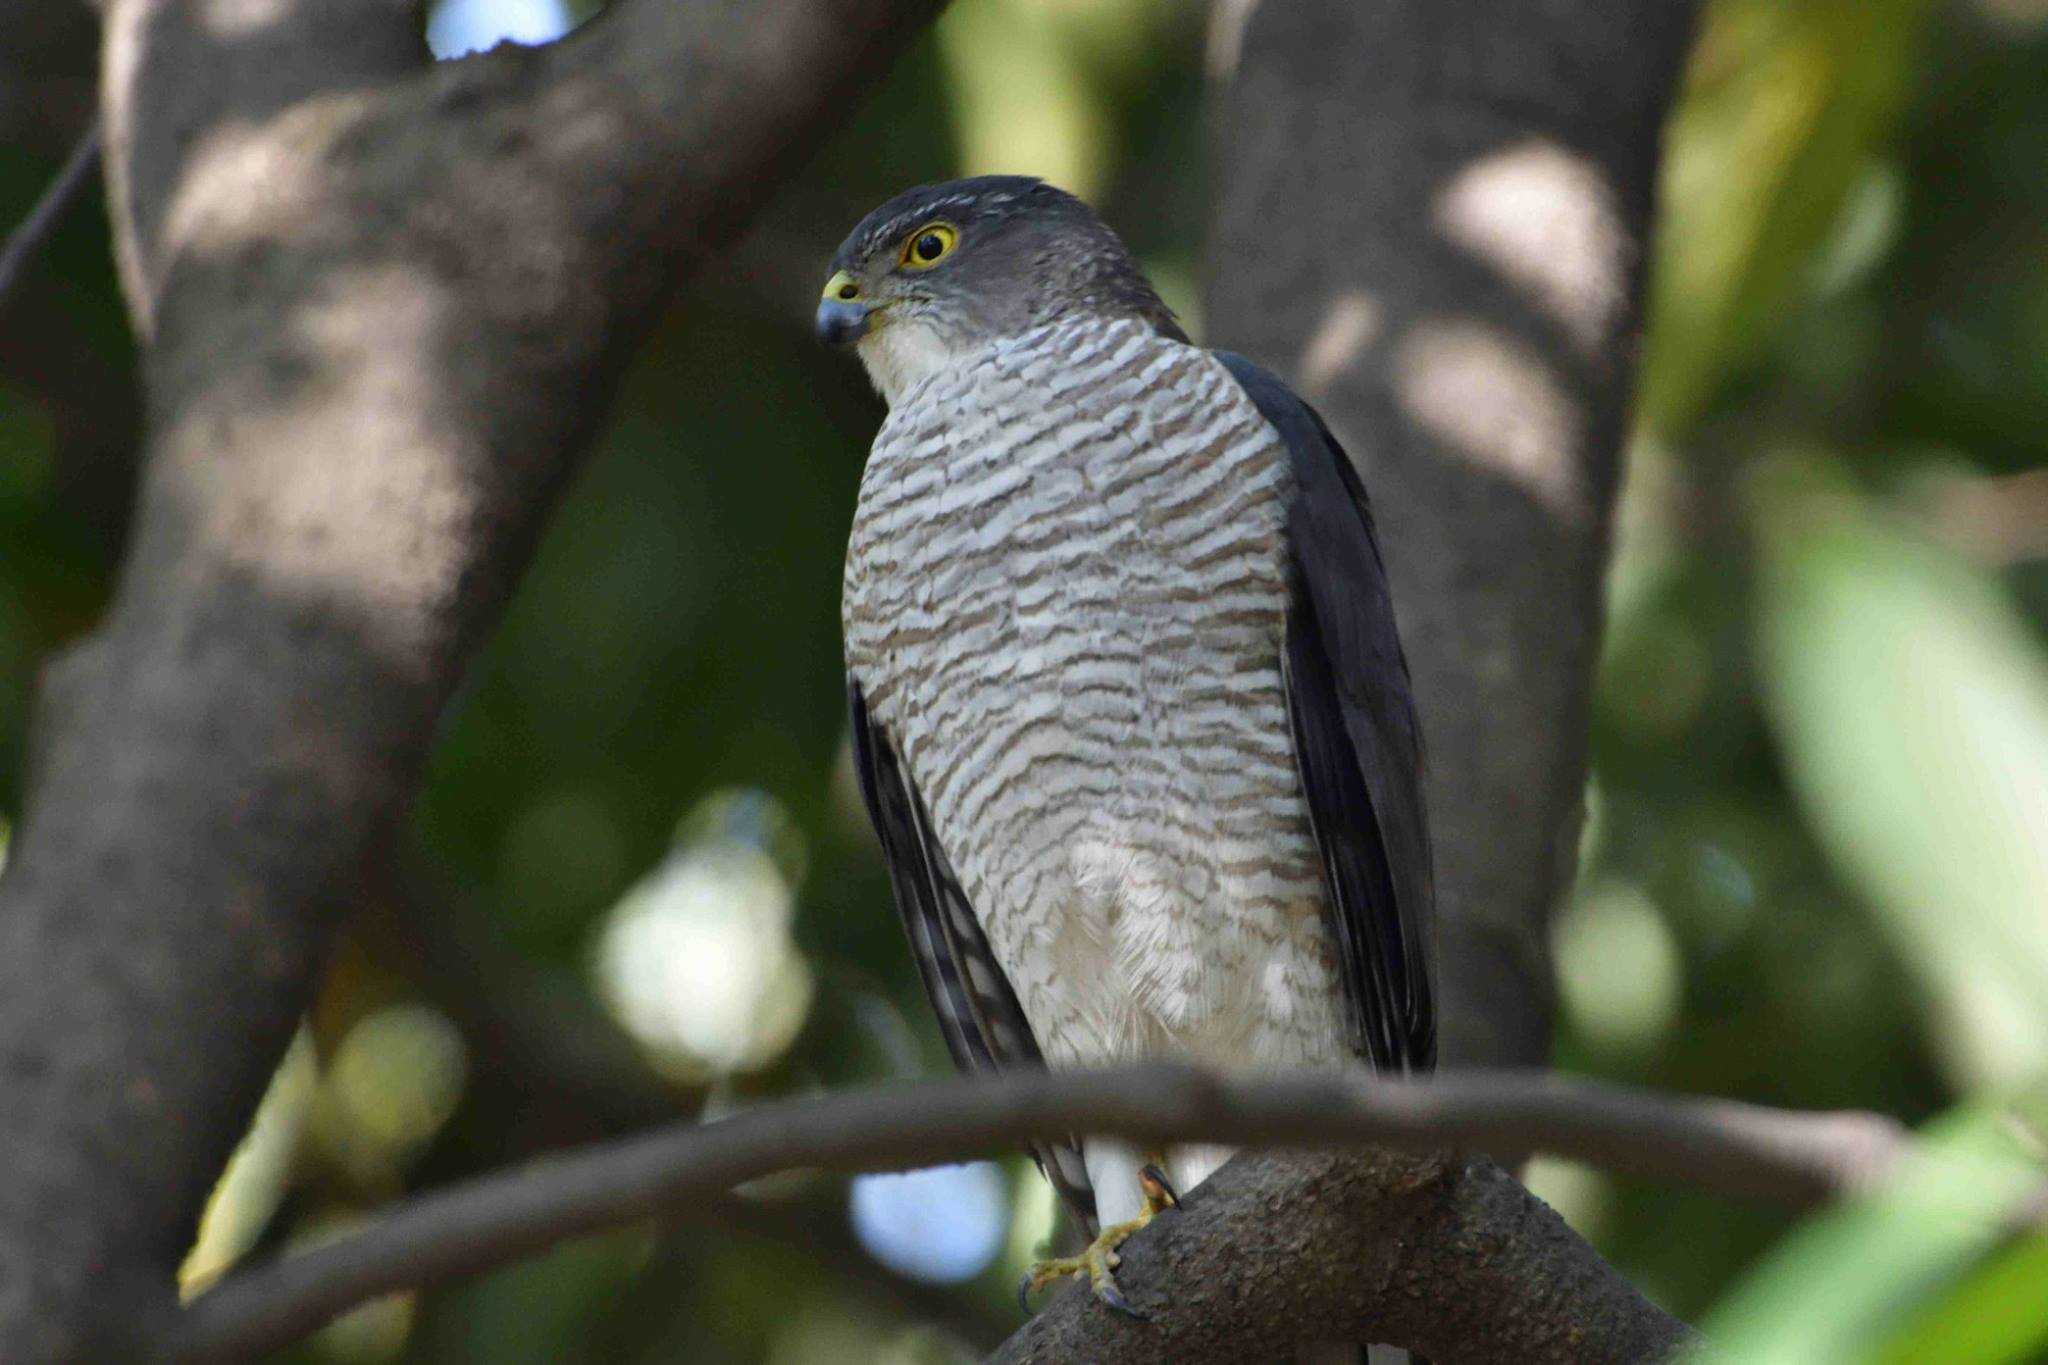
[{"x": 842, "y": 315}]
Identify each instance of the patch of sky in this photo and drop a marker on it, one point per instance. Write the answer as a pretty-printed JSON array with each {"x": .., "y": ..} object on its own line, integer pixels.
[
  {"x": 459, "y": 27},
  {"x": 943, "y": 1225}
]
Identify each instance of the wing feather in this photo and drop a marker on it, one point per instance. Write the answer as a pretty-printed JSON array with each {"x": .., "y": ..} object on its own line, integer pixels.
[
  {"x": 983, "y": 1025},
  {"x": 1357, "y": 744}
]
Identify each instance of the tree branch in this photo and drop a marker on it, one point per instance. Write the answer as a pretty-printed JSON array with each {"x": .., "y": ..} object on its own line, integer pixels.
[
  {"x": 17, "y": 257},
  {"x": 1733, "y": 1148},
  {"x": 546, "y": 1062},
  {"x": 1452, "y": 1259},
  {"x": 384, "y": 303}
]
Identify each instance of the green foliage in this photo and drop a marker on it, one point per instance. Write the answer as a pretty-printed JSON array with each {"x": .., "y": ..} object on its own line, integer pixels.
[
  {"x": 1837, "y": 1288},
  {"x": 1788, "y": 104},
  {"x": 1822, "y": 734},
  {"x": 1998, "y": 1315},
  {"x": 1911, "y": 703}
]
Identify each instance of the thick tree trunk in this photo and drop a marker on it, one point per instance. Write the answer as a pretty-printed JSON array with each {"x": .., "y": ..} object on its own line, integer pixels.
[
  {"x": 1431, "y": 215},
  {"x": 382, "y": 303}
]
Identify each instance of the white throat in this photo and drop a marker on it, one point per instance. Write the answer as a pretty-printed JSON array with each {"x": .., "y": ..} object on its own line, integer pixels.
[{"x": 900, "y": 354}]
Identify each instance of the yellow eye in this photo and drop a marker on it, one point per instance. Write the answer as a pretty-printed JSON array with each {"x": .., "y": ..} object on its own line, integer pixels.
[{"x": 929, "y": 245}]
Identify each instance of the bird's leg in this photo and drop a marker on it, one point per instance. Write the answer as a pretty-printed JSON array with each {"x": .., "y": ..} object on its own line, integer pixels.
[{"x": 1099, "y": 1259}]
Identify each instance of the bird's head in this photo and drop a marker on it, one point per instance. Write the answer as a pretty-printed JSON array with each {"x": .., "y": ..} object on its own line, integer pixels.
[{"x": 943, "y": 270}]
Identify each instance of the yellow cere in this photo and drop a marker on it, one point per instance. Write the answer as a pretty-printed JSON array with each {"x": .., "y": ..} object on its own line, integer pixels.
[
  {"x": 929, "y": 245},
  {"x": 842, "y": 286}
]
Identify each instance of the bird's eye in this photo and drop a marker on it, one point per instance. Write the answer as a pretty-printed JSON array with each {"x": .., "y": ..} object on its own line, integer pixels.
[{"x": 929, "y": 245}]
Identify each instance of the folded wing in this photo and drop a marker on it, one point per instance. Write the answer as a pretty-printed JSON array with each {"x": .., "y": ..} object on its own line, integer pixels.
[
  {"x": 984, "y": 1026},
  {"x": 1356, "y": 741}
]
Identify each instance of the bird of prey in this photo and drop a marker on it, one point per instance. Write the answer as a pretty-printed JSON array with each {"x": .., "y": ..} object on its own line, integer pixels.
[{"x": 1129, "y": 709}]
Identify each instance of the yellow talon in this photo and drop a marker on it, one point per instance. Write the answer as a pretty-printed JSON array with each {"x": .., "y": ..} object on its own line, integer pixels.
[{"x": 1099, "y": 1259}]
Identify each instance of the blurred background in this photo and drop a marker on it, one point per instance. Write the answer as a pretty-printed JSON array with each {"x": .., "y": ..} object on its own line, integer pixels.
[{"x": 640, "y": 885}]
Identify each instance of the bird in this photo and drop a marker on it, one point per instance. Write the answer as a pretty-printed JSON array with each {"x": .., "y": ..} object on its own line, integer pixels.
[{"x": 1129, "y": 707}]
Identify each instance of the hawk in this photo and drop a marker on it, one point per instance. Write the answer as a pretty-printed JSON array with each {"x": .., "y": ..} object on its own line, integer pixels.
[{"x": 1129, "y": 709}]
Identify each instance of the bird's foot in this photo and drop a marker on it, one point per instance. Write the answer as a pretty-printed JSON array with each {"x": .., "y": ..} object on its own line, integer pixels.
[{"x": 1099, "y": 1259}]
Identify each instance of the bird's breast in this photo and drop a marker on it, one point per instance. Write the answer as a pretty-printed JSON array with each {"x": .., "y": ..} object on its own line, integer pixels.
[
  {"x": 1065, "y": 592},
  {"x": 1087, "y": 512}
]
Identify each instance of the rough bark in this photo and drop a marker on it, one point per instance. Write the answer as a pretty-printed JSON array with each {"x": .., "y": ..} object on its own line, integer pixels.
[
  {"x": 1274, "y": 1253},
  {"x": 383, "y": 303},
  {"x": 1431, "y": 215}
]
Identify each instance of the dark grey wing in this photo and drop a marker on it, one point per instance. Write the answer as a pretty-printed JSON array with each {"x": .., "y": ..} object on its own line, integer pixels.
[
  {"x": 984, "y": 1026},
  {"x": 1356, "y": 740}
]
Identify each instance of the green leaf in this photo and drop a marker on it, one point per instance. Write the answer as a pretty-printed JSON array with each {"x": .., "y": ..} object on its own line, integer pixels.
[
  {"x": 1998, "y": 1316},
  {"x": 1785, "y": 102},
  {"x": 1911, "y": 703},
  {"x": 1836, "y": 1287}
]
